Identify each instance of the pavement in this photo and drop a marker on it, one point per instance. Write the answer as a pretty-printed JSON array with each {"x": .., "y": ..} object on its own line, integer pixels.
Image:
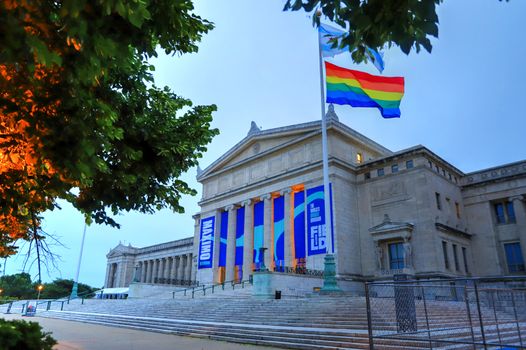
[{"x": 73, "y": 335}]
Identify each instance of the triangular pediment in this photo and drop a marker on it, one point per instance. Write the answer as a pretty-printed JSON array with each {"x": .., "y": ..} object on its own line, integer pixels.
[
  {"x": 120, "y": 250},
  {"x": 260, "y": 143},
  {"x": 391, "y": 226}
]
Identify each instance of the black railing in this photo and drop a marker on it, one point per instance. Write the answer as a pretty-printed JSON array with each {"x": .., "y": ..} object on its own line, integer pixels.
[
  {"x": 176, "y": 282},
  {"x": 456, "y": 313},
  {"x": 34, "y": 305},
  {"x": 203, "y": 289}
]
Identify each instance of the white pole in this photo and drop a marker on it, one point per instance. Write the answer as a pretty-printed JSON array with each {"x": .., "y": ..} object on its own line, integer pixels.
[
  {"x": 80, "y": 255},
  {"x": 325, "y": 157},
  {"x": 74, "y": 290}
]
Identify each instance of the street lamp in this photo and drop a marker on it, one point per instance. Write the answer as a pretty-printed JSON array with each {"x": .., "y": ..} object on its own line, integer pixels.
[{"x": 39, "y": 288}]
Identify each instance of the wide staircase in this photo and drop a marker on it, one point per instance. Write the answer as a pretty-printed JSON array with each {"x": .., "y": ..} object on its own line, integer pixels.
[{"x": 316, "y": 322}]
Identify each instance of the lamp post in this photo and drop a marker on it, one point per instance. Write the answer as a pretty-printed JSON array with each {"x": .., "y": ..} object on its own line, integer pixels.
[{"x": 39, "y": 288}]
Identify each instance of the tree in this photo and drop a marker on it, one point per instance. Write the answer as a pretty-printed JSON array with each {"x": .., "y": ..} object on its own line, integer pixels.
[
  {"x": 408, "y": 24},
  {"x": 17, "y": 286},
  {"x": 80, "y": 116},
  {"x": 60, "y": 288}
]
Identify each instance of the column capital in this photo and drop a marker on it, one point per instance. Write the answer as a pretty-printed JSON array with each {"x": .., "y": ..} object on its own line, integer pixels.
[
  {"x": 285, "y": 191},
  {"x": 230, "y": 207},
  {"x": 266, "y": 196},
  {"x": 246, "y": 203},
  {"x": 517, "y": 198},
  {"x": 196, "y": 216}
]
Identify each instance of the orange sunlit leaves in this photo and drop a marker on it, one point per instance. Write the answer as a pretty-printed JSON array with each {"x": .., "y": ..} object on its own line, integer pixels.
[
  {"x": 24, "y": 170},
  {"x": 74, "y": 42}
]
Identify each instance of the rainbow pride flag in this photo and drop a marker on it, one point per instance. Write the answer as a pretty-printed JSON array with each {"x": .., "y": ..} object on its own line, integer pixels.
[{"x": 359, "y": 89}]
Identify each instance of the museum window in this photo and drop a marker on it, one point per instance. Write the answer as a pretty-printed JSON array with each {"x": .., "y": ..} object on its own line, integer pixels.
[
  {"x": 409, "y": 164},
  {"x": 455, "y": 257},
  {"x": 457, "y": 209},
  {"x": 396, "y": 256},
  {"x": 514, "y": 257},
  {"x": 380, "y": 172},
  {"x": 367, "y": 175},
  {"x": 450, "y": 177},
  {"x": 394, "y": 168},
  {"x": 437, "y": 169},
  {"x": 504, "y": 212},
  {"x": 438, "y": 201},
  {"x": 430, "y": 164},
  {"x": 444, "y": 251},
  {"x": 465, "y": 258},
  {"x": 359, "y": 158}
]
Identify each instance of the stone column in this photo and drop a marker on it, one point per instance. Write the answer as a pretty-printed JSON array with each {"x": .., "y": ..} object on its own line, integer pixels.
[
  {"x": 168, "y": 269},
  {"x": 520, "y": 218},
  {"x": 248, "y": 239},
  {"x": 143, "y": 271},
  {"x": 180, "y": 275},
  {"x": 230, "y": 243},
  {"x": 155, "y": 273},
  {"x": 150, "y": 272},
  {"x": 107, "y": 279},
  {"x": 188, "y": 272},
  {"x": 117, "y": 281},
  {"x": 267, "y": 228},
  {"x": 173, "y": 272},
  {"x": 288, "y": 232},
  {"x": 165, "y": 269}
]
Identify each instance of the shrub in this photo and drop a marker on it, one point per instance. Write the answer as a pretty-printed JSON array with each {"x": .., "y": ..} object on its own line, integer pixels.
[{"x": 17, "y": 334}]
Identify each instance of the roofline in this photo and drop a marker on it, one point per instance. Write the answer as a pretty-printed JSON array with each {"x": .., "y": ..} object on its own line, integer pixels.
[
  {"x": 418, "y": 149},
  {"x": 292, "y": 129}
]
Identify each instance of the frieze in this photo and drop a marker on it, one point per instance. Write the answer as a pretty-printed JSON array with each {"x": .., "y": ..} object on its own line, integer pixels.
[
  {"x": 392, "y": 190},
  {"x": 495, "y": 173}
]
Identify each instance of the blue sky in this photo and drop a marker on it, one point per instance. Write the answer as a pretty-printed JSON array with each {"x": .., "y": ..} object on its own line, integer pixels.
[{"x": 463, "y": 101}]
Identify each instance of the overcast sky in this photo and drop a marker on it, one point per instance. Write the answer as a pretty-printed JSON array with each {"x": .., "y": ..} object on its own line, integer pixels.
[{"x": 464, "y": 101}]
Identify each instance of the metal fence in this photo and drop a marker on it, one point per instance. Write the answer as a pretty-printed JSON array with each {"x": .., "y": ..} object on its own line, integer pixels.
[{"x": 447, "y": 314}]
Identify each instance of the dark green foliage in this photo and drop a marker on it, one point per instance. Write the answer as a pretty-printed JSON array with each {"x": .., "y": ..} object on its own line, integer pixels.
[
  {"x": 80, "y": 116},
  {"x": 18, "y": 286},
  {"x": 408, "y": 24},
  {"x": 18, "y": 335},
  {"x": 61, "y": 288}
]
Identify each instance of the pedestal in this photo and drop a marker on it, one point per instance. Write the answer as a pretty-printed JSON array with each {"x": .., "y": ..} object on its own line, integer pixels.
[
  {"x": 262, "y": 287},
  {"x": 330, "y": 286}
]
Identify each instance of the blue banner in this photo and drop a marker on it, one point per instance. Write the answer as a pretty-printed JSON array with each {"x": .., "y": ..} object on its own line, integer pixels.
[
  {"x": 240, "y": 230},
  {"x": 316, "y": 229},
  {"x": 223, "y": 234},
  {"x": 279, "y": 230},
  {"x": 299, "y": 225},
  {"x": 206, "y": 243},
  {"x": 259, "y": 214}
]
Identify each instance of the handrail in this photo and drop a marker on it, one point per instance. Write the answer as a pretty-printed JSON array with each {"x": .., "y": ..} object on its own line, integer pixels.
[
  {"x": 48, "y": 302},
  {"x": 66, "y": 299},
  {"x": 204, "y": 288}
]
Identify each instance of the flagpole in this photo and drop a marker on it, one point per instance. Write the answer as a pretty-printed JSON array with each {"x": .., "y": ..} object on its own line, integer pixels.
[
  {"x": 74, "y": 290},
  {"x": 329, "y": 280}
]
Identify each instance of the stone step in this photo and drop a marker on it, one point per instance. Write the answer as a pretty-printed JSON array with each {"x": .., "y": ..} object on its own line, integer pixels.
[{"x": 313, "y": 339}]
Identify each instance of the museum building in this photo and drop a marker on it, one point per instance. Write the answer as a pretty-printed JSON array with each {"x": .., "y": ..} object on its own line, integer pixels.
[{"x": 407, "y": 212}]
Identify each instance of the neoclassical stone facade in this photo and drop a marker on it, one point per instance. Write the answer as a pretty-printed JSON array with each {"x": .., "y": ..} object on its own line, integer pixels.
[
  {"x": 167, "y": 263},
  {"x": 408, "y": 211}
]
